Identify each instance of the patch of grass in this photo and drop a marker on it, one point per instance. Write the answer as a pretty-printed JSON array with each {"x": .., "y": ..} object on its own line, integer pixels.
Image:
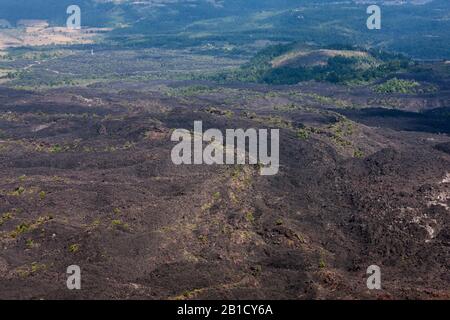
[
  {"x": 17, "y": 192},
  {"x": 303, "y": 133},
  {"x": 23, "y": 272},
  {"x": 241, "y": 178},
  {"x": 189, "y": 294},
  {"x": 322, "y": 264},
  {"x": 42, "y": 195},
  {"x": 29, "y": 243},
  {"x": 20, "y": 229},
  {"x": 25, "y": 227},
  {"x": 227, "y": 113},
  {"x": 26, "y": 271},
  {"x": 5, "y": 217},
  {"x": 342, "y": 128},
  {"x": 110, "y": 149},
  {"x": 73, "y": 248},
  {"x": 55, "y": 148},
  {"x": 35, "y": 267},
  {"x": 116, "y": 222},
  {"x": 279, "y": 222},
  {"x": 96, "y": 223},
  {"x": 190, "y": 90},
  {"x": 286, "y": 107},
  {"x": 358, "y": 154},
  {"x": 119, "y": 223},
  {"x": 43, "y": 219},
  {"x": 299, "y": 237},
  {"x": 276, "y": 121},
  {"x": 250, "y": 217},
  {"x": 341, "y": 142}
]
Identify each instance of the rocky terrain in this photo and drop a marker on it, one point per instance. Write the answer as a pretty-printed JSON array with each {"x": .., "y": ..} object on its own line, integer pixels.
[
  {"x": 87, "y": 179},
  {"x": 86, "y": 176}
]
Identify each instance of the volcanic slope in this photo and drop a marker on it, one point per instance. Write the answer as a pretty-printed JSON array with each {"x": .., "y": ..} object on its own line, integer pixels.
[{"x": 87, "y": 179}]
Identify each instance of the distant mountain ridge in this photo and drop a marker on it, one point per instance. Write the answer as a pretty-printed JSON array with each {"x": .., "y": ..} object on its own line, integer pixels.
[{"x": 418, "y": 28}]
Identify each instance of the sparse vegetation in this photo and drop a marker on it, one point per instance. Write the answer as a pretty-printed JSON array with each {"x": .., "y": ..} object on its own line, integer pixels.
[
  {"x": 30, "y": 243},
  {"x": 42, "y": 195},
  {"x": 73, "y": 248},
  {"x": 55, "y": 149},
  {"x": 207, "y": 206},
  {"x": 221, "y": 112},
  {"x": 395, "y": 85},
  {"x": 250, "y": 217},
  {"x": 303, "y": 133},
  {"x": 189, "y": 294},
  {"x": 120, "y": 224},
  {"x": 25, "y": 227},
  {"x": 21, "y": 228},
  {"x": 17, "y": 192},
  {"x": 26, "y": 271},
  {"x": 5, "y": 217},
  {"x": 125, "y": 211},
  {"x": 322, "y": 264},
  {"x": 358, "y": 154}
]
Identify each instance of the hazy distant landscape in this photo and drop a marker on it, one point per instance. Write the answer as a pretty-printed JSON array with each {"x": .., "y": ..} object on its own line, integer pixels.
[{"x": 86, "y": 118}]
